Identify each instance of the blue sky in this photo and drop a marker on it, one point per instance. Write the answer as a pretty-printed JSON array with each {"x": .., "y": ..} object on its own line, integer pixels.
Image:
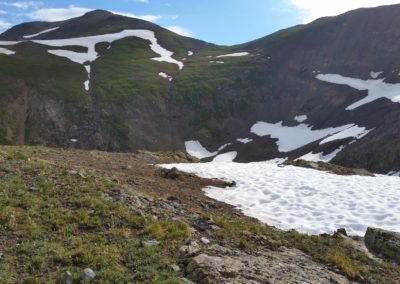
[{"x": 219, "y": 21}]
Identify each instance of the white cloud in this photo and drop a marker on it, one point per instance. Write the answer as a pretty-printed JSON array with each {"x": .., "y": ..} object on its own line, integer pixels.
[
  {"x": 4, "y": 24},
  {"x": 143, "y": 1},
  {"x": 58, "y": 14},
  {"x": 23, "y": 4},
  {"x": 312, "y": 9},
  {"x": 180, "y": 30},
  {"x": 2, "y": 12}
]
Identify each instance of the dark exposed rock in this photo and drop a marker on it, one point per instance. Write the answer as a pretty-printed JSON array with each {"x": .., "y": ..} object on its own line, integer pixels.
[
  {"x": 170, "y": 173},
  {"x": 383, "y": 243},
  {"x": 229, "y": 183},
  {"x": 339, "y": 232},
  {"x": 328, "y": 167}
]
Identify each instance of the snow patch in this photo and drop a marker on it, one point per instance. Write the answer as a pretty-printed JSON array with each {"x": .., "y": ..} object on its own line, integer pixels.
[
  {"x": 376, "y": 88},
  {"x": 244, "y": 140},
  {"x": 394, "y": 174},
  {"x": 375, "y": 75},
  {"x": 354, "y": 131},
  {"x": 190, "y": 53},
  {"x": 42, "y": 32},
  {"x": 6, "y": 51},
  {"x": 86, "y": 84},
  {"x": 195, "y": 149},
  {"x": 307, "y": 200},
  {"x": 224, "y": 146},
  {"x": 164, "y": 75},
  {"x": 300, "y": 118},
  {"x": 320, "y": 157},
  {"x": 237, "y": 54},
  {"x": 9, "y": 42},
  {"x": 225, "y": 158},
  {"x": 294, "y": 137}
]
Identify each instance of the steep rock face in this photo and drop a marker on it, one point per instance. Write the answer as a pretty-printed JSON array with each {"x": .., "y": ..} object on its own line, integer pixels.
[{"x": 213, "y": 99}]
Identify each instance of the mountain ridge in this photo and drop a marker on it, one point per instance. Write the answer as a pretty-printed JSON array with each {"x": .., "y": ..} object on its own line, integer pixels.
[{"x": 216, "y": 99}]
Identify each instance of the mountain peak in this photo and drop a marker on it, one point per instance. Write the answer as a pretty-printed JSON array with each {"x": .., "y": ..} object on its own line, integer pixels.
[{"x": 98, "y": 13}]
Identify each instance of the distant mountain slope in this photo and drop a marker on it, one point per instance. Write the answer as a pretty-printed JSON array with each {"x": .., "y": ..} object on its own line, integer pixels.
[{"x": 133, "y": 102}]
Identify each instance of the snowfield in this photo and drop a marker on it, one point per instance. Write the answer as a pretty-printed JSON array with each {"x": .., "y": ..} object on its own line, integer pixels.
[
  {"x": 91, "y": 41},
  {"x": 376, "y": 88},
  {"x": 307, "y": 200},
  {"x": 294, "y": 137}
]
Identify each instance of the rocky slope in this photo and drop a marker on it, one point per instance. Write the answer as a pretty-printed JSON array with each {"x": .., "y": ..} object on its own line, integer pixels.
[
  {"x": 212, "y": 99},
  {"x": 71, "y": 215}
]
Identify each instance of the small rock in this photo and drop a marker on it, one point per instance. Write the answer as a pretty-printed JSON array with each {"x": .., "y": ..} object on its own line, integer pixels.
[
  {"x": 150, "y": 243},
  {"x": 175, "y": 267},
  {"x": 193, "y": 231},
  {"x": 205, "y": 241},
  {"x": 383, "y": 242},
  {"x": 189, "y": 250},
  {"x": 229, "y": 184},
  {"x": 215, "y": 228},
  {"x": 339, "y": 232},
  {"x": 66, "y": 278},
  {"x": 87, "y": 274}
]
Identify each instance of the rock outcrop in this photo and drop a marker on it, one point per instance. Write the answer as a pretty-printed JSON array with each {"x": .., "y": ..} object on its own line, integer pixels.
[{"x": 383, "y": 243}]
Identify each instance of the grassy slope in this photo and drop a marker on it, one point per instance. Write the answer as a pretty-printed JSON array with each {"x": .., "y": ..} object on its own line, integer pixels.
[
  {"x": 43, "y": 73},
  {"x": 54, "y": 219},
  {"x": 125, "y": 72}
]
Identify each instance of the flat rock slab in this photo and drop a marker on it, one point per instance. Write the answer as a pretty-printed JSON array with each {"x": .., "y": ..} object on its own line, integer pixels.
[{"x": 284, "y": 266}]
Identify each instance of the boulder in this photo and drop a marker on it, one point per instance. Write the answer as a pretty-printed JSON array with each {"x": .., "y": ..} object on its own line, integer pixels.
[
  {"x": 66, "y": 278},
  {"x": 384, "y": 243},
  {"x": 206, "y": 269}
]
